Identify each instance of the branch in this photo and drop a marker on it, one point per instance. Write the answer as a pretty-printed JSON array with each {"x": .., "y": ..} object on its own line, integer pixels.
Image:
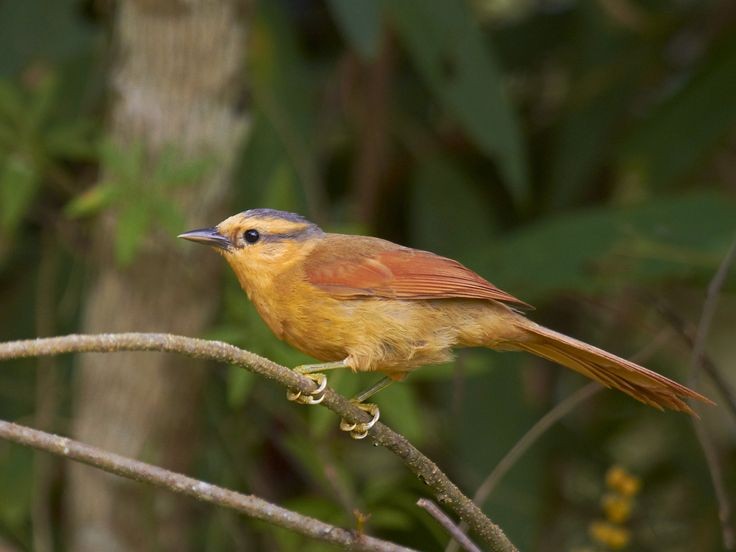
[
  {"x": 559, "y": 411},
  {"x": 444, "y": 489},
  {"x": 245, "y": 504},
  {"x": 687, "y": 333},
  {"x": 709, "y": 309},
  {"x": 540, "y": 427},
  {"x": 716, "y": 473},
  {"x": 442, "y": 518}
]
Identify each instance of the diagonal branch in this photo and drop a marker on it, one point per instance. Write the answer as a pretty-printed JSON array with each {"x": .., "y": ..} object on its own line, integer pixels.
[
  {"x": 444, "y": 489},
  {"x": 687, "y": 333},
  {"x": 725, "y": 510},
  {"x": 540, "y": 427},
  {"x": 709, "y": 310},
  {"x": 245, "y": 504},
  {"x": 449, "y": 525}
]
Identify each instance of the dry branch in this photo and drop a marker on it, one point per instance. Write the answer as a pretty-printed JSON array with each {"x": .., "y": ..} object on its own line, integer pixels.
[
  {"x": 728, "y": 533},
  {"x": 541, "y": 426},
  {"x": 444, "y": 490},
  {"x": 140, "y": 471},
  {"x": 456, "y": 532},
  {"x": 687, "y": 333}
]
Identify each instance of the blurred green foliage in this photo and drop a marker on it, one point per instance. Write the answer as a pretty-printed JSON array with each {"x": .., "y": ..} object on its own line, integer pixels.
[
  {"x": 575, "y": 153},
  {"x": 139, "y": 194}
]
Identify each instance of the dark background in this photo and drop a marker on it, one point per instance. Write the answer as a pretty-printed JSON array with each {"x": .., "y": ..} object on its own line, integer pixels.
[{"x": 578, "y": 154}]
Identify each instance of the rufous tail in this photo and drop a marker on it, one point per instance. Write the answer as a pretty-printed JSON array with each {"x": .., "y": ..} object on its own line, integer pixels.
[{"x": 644, "y": 385}]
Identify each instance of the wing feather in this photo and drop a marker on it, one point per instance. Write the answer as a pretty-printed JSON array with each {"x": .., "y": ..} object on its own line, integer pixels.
[{"x": 370, "y": 267}]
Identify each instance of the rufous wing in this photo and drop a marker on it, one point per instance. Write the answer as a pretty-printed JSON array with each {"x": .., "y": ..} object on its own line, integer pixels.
[{"x": 400, "y": 273}]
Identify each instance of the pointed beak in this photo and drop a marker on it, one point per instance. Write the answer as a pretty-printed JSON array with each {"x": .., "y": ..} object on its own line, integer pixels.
[{"x": 207, "y": 236}]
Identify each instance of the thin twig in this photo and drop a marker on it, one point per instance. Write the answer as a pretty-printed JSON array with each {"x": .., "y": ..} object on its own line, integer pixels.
[
  {"x": 709, "y": 310},
  {"x": 559, "y": 411},
  {"x": 444, "y": 489},
  {"x": 140, "y": 471},
  {"x": 719, "y": 485},
  {"x": 449, "y": 525},
  {"x": 716, "y": 473},
  {"x": 687, "y": 332}
]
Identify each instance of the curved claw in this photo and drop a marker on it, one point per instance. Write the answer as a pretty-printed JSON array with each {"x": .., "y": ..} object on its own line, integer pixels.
[
  {"x": 310, "y": 399},
  {"x": 375, "y": 412},
  {"x": 321, "y": 381},
  {"x": 315, "y": 397},
  {"x": 360, "y": 430},
  {"x": 347, "y": 426},
  {"x": 359, "y": 435}
]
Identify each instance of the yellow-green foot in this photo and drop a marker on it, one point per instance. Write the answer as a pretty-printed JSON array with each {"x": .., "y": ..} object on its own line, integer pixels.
[
  {"x": 313, "y": 372},
  {"x": 360, "y": 430},
  {"x": 315, "y": 397}
]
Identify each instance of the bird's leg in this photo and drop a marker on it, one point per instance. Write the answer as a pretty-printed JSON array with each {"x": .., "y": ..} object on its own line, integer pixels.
[
  {"x": 312, "y": 371},
  {"x": 360, "y": 430}
]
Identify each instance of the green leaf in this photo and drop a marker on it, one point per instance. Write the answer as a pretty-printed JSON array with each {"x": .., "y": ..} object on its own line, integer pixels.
[
  {"x": 400, "y": 409},
  {"x": 168, "y": 216},
  {"x": 681, "y": 237},
  {"x": 607, "y": 73},
  {"x": 360, "y": 23},
  {"x": 391, "y": 519},
  {"x": 452, "y": 55},
  {"x": 436, "y": 179},
  {"x": 42, "y": 103},
  {"x": 173, "y": 169},
  {"x": 16, "y": 484},
  {"x": 72, "y": 140},
  {"x": 581, "y": 143},
  {"x": 11, "y": 101},
  {"x": 19, "y": 185},
  {"x": 35, "y": 30},
  {"x": 280, "y": 190},
  {"x": 681, "y": 133},
  {"x": 284, "y": 92},
  {"x": 239, "y": 384},
  {"x": 133, "y": 222},
  {"x": 92, "y": 201},
  {"x": 125, "y": 166},
  {"x": 138, "y": 193},
  {"x": 489, "y": 419}
]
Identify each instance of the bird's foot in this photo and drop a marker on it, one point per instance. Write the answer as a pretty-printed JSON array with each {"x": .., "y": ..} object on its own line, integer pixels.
[
  {"x": 360, "y": 430},
  {"x": 313, "y": 372},
  {"x": 316, "y": 396}
]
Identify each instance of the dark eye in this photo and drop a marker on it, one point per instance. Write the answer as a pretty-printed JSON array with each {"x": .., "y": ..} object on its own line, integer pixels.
[{"x": 251, "y": 236}]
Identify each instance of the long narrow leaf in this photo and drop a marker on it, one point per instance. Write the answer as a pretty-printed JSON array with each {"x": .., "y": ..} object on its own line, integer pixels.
[{"x": 450, "y": 52}]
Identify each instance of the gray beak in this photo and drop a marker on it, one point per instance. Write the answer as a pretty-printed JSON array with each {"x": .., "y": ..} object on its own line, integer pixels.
[{"x": 207, "y": 236}]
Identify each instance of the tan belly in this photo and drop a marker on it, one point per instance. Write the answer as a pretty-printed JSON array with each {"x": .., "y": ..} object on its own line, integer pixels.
[{"x": 384, "y": 335}]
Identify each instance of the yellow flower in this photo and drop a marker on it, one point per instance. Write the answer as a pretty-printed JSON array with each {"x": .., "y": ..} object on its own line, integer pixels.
[
  {"x": 621, "y": 481},
  {"x": 617, "y": 507},
  {"x": 610, "y": 535}
]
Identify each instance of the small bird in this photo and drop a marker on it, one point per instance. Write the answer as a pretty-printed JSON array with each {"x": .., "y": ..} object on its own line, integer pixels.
[{"x": 368, "y": 304}]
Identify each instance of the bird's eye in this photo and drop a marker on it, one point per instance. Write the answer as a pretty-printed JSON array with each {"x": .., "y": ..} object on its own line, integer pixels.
[{"x": 251, "y": 236}]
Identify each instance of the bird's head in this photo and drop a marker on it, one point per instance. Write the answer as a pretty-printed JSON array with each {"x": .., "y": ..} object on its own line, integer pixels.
[{"x": 259, "y": 243}]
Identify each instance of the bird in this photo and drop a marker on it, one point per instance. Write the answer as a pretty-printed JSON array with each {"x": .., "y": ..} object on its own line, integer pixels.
[{"x": 370, "y": 305}]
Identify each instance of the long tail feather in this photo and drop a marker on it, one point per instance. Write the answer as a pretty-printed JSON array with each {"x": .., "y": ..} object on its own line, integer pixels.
[{"x": 611, "y": 371}]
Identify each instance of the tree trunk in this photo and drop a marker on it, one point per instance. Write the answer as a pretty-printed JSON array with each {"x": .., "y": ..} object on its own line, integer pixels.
[{"x": 176, "y": 85}]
